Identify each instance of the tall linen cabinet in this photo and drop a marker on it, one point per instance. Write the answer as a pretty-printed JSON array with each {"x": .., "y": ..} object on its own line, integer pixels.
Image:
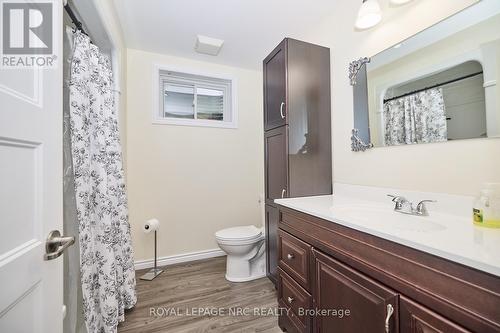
[{"x": 297, "y": 125}]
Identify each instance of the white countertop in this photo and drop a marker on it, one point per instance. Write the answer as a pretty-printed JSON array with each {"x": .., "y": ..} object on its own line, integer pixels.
[{"x": 447, "y": 232}]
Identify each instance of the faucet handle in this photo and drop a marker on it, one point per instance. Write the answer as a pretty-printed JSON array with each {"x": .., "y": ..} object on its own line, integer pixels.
[
  {"x": 399, "y": 200},
  {"x": 422, "y": 208},
  {"x": 396, "y": 198}
]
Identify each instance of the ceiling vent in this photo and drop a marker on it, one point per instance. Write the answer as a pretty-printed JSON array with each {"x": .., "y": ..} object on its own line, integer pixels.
[{"x": 207, "y": 45}]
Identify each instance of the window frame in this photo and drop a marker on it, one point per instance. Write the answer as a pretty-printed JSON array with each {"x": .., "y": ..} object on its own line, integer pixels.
[{"x": 230, "y": 102}]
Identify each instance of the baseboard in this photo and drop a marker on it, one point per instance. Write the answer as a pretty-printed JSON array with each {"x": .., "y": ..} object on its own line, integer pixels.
[{"x": 180, "y": 258}]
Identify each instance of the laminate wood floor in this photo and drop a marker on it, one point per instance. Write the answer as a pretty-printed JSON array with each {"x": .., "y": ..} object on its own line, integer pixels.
[{"x": 169, "y": 302}]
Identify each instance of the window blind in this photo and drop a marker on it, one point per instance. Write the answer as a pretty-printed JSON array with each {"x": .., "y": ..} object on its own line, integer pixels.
[
  {"x": 188, "y": 96},
  {"x": 209, "y": 104},
  {"x": 179, "y": 101}
]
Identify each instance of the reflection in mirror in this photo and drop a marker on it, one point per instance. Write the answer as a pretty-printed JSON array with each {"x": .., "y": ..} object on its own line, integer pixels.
[
  {"x": 451, "y": 106},
  {"x": 439, "y": 85}
]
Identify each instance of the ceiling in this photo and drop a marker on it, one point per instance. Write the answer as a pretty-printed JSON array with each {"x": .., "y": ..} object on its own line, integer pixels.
[{"x": 250, "y": 28}]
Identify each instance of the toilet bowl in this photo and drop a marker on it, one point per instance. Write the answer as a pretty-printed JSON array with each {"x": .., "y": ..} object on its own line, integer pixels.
[{"x": 245, "y": 250}]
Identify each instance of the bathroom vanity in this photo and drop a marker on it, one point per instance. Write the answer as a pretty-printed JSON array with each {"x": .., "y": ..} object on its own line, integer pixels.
[{"x": 421, "y": 275}]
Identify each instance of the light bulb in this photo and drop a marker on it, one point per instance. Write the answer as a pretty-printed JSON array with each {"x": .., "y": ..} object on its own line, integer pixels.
[{"x": 369, "y": 14}]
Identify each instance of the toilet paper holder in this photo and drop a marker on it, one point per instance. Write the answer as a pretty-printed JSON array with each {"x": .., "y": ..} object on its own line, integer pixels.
[{"x": 155, "y": 271}]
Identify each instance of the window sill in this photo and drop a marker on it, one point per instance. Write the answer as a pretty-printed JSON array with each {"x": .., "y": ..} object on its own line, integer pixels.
[{"x": 196, "y": 123}]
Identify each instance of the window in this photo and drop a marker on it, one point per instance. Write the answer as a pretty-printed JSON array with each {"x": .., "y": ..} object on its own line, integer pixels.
[{"x": 196, "y": 100}]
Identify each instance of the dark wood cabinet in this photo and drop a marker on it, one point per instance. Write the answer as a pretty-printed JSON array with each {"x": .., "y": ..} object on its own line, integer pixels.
[
  {"x": 275, "y": 102},
  {"x": 272, "y": 219},
  {"x": 416, "y": 318},
  {"x": 362, "y": 304},
  {"x": 309, "y": 119},
  {"x": 276, "y": 164},
  {"x": 297, "y": 123},
  {"x": 368, "y": 275}
]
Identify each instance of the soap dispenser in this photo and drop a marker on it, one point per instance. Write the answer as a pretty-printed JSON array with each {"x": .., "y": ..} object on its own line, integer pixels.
[{"x": 486, "y": 210}]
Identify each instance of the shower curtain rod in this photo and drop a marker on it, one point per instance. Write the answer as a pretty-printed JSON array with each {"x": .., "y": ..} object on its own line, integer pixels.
[
  {"x": 434, "y": 86},
  {"x": 76, "y": 21}
]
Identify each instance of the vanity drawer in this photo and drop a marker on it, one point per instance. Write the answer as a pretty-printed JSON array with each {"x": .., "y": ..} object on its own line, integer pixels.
[
  {"x": 295, "y": 299},
  {"x": 294, "y": 258},
  {"x": 289, "y": 323}
]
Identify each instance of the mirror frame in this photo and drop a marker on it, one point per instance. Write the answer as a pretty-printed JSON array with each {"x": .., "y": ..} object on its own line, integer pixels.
[{"x": 360, "y": 135}]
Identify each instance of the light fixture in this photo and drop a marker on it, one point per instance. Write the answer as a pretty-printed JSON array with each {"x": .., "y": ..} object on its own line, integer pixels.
[
  {"x": 400, "y": 2},
  {"x": 208, "y": 45},
  {"x": 369, "y": 14}
]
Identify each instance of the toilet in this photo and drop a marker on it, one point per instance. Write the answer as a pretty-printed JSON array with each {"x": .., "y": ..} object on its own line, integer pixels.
[{"x": 245, "y": 248}]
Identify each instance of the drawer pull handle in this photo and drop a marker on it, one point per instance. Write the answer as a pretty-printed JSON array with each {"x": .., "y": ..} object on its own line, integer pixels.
[
  {"x": 282, "y": 114},
  {"x": 290, "y": 300},
  {"x": 390, "y": 311},
  {"x": 290, "y": 256}
]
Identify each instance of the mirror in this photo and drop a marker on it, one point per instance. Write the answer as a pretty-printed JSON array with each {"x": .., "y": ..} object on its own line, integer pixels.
[{"x": 439, "y": 85}]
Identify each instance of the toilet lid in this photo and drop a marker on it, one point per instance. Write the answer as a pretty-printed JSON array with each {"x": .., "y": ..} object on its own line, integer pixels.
[{"x": 242, "y": 233}]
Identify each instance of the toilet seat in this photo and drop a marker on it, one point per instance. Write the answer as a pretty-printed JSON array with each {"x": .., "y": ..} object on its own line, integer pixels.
[{"x": 243, "y": 234}]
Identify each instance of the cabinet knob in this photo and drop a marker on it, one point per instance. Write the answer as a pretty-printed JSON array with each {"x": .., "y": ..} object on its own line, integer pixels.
[
  {"x": 282, "y": 112},
  {"x": 290, "y": 256},
  {"x": 290, "y": 300},
  {"x": 390, "y": 311}
]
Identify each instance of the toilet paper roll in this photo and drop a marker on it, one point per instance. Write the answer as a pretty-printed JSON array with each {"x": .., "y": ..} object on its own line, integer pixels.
[{"x": 151, "y": 225}]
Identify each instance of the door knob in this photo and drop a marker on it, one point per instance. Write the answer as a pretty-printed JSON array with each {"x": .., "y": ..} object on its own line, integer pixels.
[{"x": 56, "y": 244}]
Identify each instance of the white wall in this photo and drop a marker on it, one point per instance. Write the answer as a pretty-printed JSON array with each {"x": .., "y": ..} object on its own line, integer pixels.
[
  {"x": 195, "y": 180},
  {"x": 453, "y": 167}
]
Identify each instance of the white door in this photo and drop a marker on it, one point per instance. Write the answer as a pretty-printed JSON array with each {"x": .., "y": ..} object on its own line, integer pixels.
[{"x": 31, "y": 288}]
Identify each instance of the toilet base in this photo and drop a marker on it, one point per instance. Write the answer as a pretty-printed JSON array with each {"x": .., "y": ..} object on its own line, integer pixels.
[
  {"x": 240, "y": 269},
  {"x": 250, "y": 278}
]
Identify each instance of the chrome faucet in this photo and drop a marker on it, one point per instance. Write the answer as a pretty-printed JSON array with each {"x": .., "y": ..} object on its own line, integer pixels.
[{"x": 403, "y": 206}]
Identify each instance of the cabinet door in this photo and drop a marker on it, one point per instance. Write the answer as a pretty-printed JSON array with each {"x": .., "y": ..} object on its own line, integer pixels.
[
  {"x": 275, "y": 108},
  {"x": 340, "y": 288},
  {"x": 272, "y": 220},
  {"x": 416, "y": 318},
  {"x": 276, "y": 168}
]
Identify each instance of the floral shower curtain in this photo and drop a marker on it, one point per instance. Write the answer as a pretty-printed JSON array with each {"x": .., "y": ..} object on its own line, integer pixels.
[
  {"x": 106, "y": 256},
  {"x": 418, "y": 118}
]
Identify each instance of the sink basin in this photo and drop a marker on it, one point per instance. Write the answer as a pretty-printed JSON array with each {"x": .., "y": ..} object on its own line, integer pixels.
[{"x": 384, "y": 218}]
